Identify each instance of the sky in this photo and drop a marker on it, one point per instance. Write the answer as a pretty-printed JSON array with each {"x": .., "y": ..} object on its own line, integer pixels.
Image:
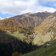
[{"x": 10, "y": 8}]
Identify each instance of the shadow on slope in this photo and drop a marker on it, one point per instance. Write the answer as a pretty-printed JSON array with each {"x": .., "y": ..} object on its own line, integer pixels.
[
  {"x": 48, "y": 49},
  {"x": 9, "y": 44}
]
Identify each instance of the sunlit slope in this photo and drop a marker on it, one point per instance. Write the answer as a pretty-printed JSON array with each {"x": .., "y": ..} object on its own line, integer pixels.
[
  {"x": 46, "y": 25},
  {"x": 18, "y": 35},
  {"x": 46, "y": 31}
]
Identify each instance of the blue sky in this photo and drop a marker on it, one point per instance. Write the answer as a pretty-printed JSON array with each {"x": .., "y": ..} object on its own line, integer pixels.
[{"x": 9, "y": 8}]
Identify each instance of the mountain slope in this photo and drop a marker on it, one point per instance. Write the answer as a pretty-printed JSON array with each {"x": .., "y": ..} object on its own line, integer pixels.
[
  {"x": 46, "y": 31},
  {"x": 46, "y": 24},
  {"x": 44, "y": 51}
]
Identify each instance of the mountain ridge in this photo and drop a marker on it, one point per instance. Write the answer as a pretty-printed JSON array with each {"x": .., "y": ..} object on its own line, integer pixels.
[{"x": 23, "y": 21}]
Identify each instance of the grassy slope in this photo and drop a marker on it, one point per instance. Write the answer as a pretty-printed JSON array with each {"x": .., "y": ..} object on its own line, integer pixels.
[
  {"x": 18, "y": 35},
  {"x": 44, "y": 51}
]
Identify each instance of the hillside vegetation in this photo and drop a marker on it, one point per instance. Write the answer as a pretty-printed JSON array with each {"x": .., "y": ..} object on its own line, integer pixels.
[{"x": 45, "y": 50}]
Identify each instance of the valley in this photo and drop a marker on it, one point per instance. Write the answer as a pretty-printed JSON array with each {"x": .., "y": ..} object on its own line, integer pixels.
[{"x": 28, "y": 34}]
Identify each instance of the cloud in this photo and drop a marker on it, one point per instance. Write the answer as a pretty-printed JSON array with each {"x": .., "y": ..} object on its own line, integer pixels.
[
  {"x": 51, "y": 0},
  {"x": 15, "y": 7},
  {"x": 48, "y": 9}
]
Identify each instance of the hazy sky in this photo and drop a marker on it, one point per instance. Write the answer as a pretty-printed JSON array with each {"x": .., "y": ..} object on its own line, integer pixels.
[{"x": 10, "y": 8}]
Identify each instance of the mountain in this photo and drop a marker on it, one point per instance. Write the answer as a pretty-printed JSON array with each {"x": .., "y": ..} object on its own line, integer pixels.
[
  {"x": 23, "y": 21},
  {"x": 26, "y": 32},
  {"x": 42, "y": 24},
  {"x": 46, "y": 31},
  {"x": 46, "y": 25}
]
